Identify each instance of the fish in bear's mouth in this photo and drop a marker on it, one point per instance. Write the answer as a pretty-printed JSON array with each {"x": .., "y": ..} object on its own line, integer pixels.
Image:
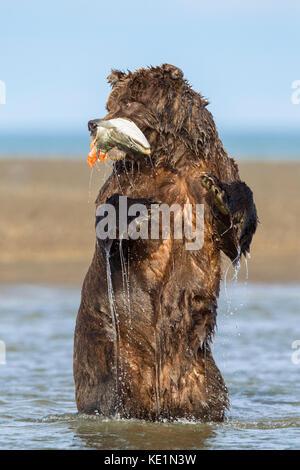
[{"x": 113, "y": 138}]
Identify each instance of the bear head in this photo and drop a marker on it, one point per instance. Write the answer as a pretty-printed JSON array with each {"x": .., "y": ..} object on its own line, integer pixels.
[{"x": 160, "y": 101}]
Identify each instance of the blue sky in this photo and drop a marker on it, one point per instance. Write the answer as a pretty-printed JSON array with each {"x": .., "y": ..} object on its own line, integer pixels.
[{"x": 55, "y": 57}]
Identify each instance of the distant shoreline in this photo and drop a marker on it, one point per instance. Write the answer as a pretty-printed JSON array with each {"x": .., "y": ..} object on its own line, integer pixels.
[
  {"x": 266, "y": 144},
  {"x": 47, "y": 223}
]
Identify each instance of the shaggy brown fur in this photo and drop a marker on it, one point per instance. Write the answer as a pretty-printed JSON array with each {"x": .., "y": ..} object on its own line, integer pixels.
[{"x": 151, "y": 357}]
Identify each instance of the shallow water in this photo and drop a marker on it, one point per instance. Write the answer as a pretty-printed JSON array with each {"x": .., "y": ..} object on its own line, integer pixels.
[
  {"x": 257, "y": 145},
  {"x": 257, "y": 325}
]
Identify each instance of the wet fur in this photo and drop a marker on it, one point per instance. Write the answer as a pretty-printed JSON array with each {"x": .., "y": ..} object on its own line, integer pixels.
[{"x": 161, "y": 354}]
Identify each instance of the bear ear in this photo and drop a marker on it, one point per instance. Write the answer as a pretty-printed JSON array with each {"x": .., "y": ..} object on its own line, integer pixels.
[
  {"x": 174, "y": 72},
  {"x": 114, "y": 77}
]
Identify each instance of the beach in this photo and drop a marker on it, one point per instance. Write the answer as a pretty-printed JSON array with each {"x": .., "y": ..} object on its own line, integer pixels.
[{"x": 47, "y": 220}]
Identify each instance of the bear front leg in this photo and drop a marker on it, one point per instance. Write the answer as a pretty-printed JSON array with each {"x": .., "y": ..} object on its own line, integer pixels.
[{"x": 234, "y": 212}]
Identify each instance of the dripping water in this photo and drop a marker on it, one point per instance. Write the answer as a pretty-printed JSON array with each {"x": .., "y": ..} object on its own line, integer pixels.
[
  {"x": 114, "y": 317},
  {"x": 158, "y": 356},
  {"x": 237, "y": 266},
  {"x": 90, "y": 185},
  {"x": 246, "y": 267},
  {"x": 127, "y": 174},
  {"x": 117, "y": 177},
  {"x": 152, "y": 165},
  {"x": 128, "y": 287},
  {"x": 125, "y": 280},
  {"x": 157, "y": 372}
]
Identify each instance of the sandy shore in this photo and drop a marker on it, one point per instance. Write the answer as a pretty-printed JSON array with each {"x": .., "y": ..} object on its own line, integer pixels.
[{"x": 47, "y": 220}]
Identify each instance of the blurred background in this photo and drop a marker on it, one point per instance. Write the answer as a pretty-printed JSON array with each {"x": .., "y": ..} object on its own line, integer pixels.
[
  {"x": 55, "y": 56},
  {"x": 54, "y": 63}
]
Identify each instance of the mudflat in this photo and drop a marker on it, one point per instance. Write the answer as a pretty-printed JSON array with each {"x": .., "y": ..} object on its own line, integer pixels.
[{"x": 47, "y": 230}]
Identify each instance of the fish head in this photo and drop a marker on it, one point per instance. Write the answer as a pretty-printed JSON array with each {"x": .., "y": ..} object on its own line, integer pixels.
[
  {"x": 120, "y": 133},
  {"x": 157, "y": 100}
]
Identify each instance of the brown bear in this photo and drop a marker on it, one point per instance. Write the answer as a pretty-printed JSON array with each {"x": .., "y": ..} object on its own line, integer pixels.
[{"x": 148, "y": 308}]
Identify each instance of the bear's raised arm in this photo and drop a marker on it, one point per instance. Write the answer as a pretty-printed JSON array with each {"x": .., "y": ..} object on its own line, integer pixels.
[{"x": 234, "y": 214}]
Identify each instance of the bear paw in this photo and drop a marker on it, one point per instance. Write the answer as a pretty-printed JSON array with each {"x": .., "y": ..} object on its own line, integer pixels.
[{"x": 213, "y": 187}]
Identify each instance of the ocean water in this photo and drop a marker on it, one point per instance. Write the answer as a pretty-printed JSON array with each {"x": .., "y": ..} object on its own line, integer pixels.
[
  {"x": 242, "y": 145},
  {"x": 257, "y": 325}
]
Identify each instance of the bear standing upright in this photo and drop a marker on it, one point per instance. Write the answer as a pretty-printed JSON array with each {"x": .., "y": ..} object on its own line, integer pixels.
[{"x": 148, "y": 309}]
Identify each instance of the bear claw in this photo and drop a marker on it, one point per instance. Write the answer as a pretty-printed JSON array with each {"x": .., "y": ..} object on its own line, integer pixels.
[{"x": 211, "y": 184}]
